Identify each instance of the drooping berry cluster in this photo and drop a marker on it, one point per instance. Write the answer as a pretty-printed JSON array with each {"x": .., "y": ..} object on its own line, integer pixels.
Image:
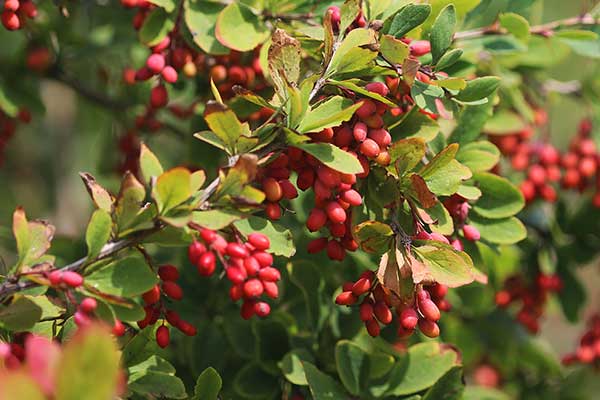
[
  {"x": 376, "y": 304},
  {"x": 156, "y": 306},
  {"x": 365, "y": 138},
  {"x": 15, "y": 12},
  {"x": 588, "y": 350},
  {"x": 248, "y": 266},
  {"x": 532, "y": 297}
]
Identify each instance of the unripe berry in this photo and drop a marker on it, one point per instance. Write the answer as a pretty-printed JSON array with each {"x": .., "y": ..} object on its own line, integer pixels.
[
  {"x": 253, "y": 288},
  {"x": 152, "y": 296},
  {"x": 383, "y": 312},
  {"x": 269, "y": 274},
  {"x": 72, "y": 279},
  {"x": 346, "y": 299},
  {"x": 169, "y": 74},
  {"x": 162, "y": 336},
  {"x": 155, "y": 63},
  {"x": 88, "y": 305},
  {"x": 335, "y": 212},
  {"x": 206, "y": 264},
  {"x": 273, "y": 192},
  {"x": 471, "y": 233},
  {"x": 262, "y": 309},
  {"x": 369, "y": 148},
  {"x": 168, "y": 273},
  {"x": 172, "y": 290},
  {"x": 429, "y": 310},
  {"x": 384, "y": 159},
  {"x": 316, "y": 219},
  {"x": 159, "y": 96},
  {"x": 409, "y": 318},
  {"x": 373, "y": 327},
  {"x": 429, "y": 328}
]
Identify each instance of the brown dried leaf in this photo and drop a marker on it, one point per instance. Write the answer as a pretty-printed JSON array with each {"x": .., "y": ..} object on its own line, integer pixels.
[
  {"x": 101, "y": 197},
  {"x": 422, "y": 192}
]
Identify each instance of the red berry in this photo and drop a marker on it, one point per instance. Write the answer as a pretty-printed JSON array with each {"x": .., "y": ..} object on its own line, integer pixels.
[
  {"x": 269, "y": 274},
  {"x": 55, "y": 277},
  {"x": 88, "y": 305},
  {"x": 471, "y": 233},
  {"x": 172, "y": 290},
  {"x": 335, "y": 251},
  {"x": 335, "y": 212},
  {"x": 381, "y": 137},
  {"x": 429, "y": 310},
  {"x": 367, "y": 109},
  {"x": 159, "y": 96},
  {"x": 316, "y": 219},
  {"x": 288, "y": 189},
  {"x": 71, "y": 278},
  {"x": 259, "y": 241},
  {"x": 173, "y": 317},
  {"x": 419, "y": 47},
  {"x": 362, "y": 286},
  {"x": 81, "y": 319},
  {"x": 169, "y": 74},
  {"x": 360, "y": 131},
  {"x": 206, "y": 264},
  {"x": 378, "y": 87},
  {"x": 316, "y": 245},
  {"x": 152, "y": 296},
  {"x": 208, "y": 235},
  {"x": 369, "y": 148},
  {"x": 429, "y": 328},
  {"x": 10, "y": 20},
  {"x": 383, "y": 312},
  {"x": 236, "y": 250},
  {"x": 247, "y": 310},
  {"x": 409, "y": 318},
  {"x": 118, "y": 328},
  {"x": 273, "y": 211},
  {"x": 162, "y": 336},
  {"x": 236, "y": 275},
  {"x": 271, "y": 289},
  {"x": 253, "y": 288},
  {"x": 328, "y": 176},
  {"x": 163, "y": 43},
  {"x": 273, "y": 192},
  {"x": 264, "y": 259},
  {"x": 11, "y": 5},
  {"x": 366, "y": 311},
  {"x": 373, "y": 327},
  {"x": 537, "y": 174},
  {"x": 155, "y": 63},
  {"x": 351, "y": 197},
  {"x": 262, "y": 309},
  {"x": 168, "y": 272},
  {"x": 195, "y": 251},
  {"x": 346, "y": 298},
  {"x": 186, "y": 328}
]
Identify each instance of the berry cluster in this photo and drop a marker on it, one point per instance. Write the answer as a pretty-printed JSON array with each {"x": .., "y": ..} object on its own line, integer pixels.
[
  {"x": 336, "y": 18},
  {"x": 248, "y": 266},
  {"x": 8, "y": 126},
  {"x": 84, "y": 315},
  {"x": 532, "y": 296},
  {"x": 15, "y": 12},
  {"x": 365, "y": 137},
  {"x": 235, "y": 69},
  {"x": 458, "y": 208},
  {"x": 424, "y": 309},
  {"x": 156, "y": 308},
  {"x": 588, "y": 351}
]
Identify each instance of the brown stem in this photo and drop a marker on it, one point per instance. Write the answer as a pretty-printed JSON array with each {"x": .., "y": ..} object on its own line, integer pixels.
[{"x": 543, "y": 29}]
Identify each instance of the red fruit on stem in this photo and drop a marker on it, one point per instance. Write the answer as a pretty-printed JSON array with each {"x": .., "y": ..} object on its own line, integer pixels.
[
  {"x": 195, "y": 251},
  {"x": 251, "y": 265},
  {"x": 155, "y": 63},
  {"x": 409, "y": 318},
  {"x": 269, "y": 274},
  {"x": 259, "y": 241},
  {"x": 429, "y": 328},
  {"x": 152, "y": 296},
  {"x": 271, "y": 289},
  {"x": 273, "y": 192},
  {"x": 317, "y": 245},
  {"x": 168, "y": 272},
  {"x": 253, "y": 288},
  {"x": 383, "y": 312},
  {"x": 206, "y": 264},
  {"x": 169, "y": 74},
  {"x": 362, "y": 286},
  {"x": 159, "y": 96},
  {"x": 118, "y": 328},
  {"x": 172, "y": 290},
  {"x": 162, "y": 336},
  {"x": 335, "y": 212},
  {"x": 366, "y": 311},
  {"x": 316, "y": 219},
  {"x": 273, "y": 211},
  {"x": 10, "y": 20},
  {"x": 429, "y": 310},
  {"x": 369, "y": 148},
  {"x": 72, "y": 279},
  {"x": 208, "y": 235},
  {"x": 373, "y": 327},
  {"x": 88, "y": 305},
  {"x": 262, "y": 309},
  {"x": 346, "y": 298},
  {"x": 419, "y": 47},
  {"x": 471, "y": 233},
  {"x": 378, "y": 87},
  {"x": 247, "y": 310},
  {"x": 367, "y": 109}
]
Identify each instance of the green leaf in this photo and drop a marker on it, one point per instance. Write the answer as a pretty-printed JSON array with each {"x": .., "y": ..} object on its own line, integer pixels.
[
  {"x": 576, "y": 34},
  {"x": 168, "y": 5},
  {"x": 284, "y": 62},
  {"x": 158, "y": 384},
  {"x": 239, "y": 28},
  {"x": 332, "y": 156},
  {"x": 416, "y": 124},
  {"x": 330, "y": 113},
  {"x": 201, "y": 19},
  {"x": 448, "y": 387},
  {"x": 479, "y": 156},
  {"x": 374, "y": 237},
  {"x": 448, "y": 59},
  {"x": 89, "y": 355},
  {"x": 322, "y": 386},
  {"x": 362, "y": 91},
  {"x": 20, "y": 385},
  {"x": 425, "y": 95},
  {"x": 126, "y": 277},
  {"x": 7, "y": 102},
  {"x": 448, "y": 179},
  {"x": 172, "y": 188},
  {"x": 156, "y": 27},
  {"x": 280, "y": 237},
  {"x": 99, "y": 195},
  {"x": 33, "y": 238},
  {"x": 442, "y": 31},
  {"x": 292, "y": 367},
  {"x": 305, "y": 275},
  {"x": 479, "y": 88},
  {"x": 251, "y": 382},
  {"x": 208, "y": 385},
  {"x": 149, "y": 164},
  {"x": 216, "y": 219},
  {"x": 408, "y": 18},
  {"x": 444, "y": 223},
  {"x": 421, "y": 368},
  {"x": 484, "y": 393},
  {"x": 347, "y": 52},
  {"x": 98, "y": 232},
  {"x": 406, "y": 154},
  {"x": 499, "y": 231},
  {"x": 20, "y": 314},
  {"x": 393, "y": 49},
  {"x": 352, "y": 366},
  {"x": 348, "y": 13},
  {"x": 515, "y": 24},
  {"x": 500, "y": 198},
  {"x": 470, "y": 122},
  {"x": 129, "y": 202},
  {"x": 224, "y": 123},
  {"x": 504, "y": 122},
  {"x": 442, "y": 264}
]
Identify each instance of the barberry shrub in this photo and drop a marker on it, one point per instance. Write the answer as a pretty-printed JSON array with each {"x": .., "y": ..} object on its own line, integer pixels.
[{"x": 298, "y": 199}]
